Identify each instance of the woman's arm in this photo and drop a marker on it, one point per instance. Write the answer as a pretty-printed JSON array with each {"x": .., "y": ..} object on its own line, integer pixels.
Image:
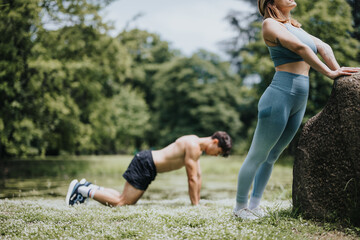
[
  {"x": 275, "y": 33},
  {"x": 326, "y": 53}
]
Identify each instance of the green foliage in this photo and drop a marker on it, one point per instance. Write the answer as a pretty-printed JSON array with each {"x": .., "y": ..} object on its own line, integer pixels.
[
  {"x": 74, "y": 12},
  {"x": 79, "y": 90},
  {"x": 17, "y": 25},
  {"x": 196, "y": 95},
  {"x": 119, "y": 121},
  {"x": 147, "y": 52},
  {"x": 68, "y": 87},
  {"x": 53, "y": 79},
  {"x": 80, "y": 67},
  {"x": 355, "y": 6}
]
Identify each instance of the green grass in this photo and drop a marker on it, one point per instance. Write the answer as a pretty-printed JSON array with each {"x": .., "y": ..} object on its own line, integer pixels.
[{"x": 164, "y": 212}]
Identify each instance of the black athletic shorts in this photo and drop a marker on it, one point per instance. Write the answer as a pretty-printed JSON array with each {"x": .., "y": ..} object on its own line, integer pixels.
[{"x": 141, "y": 171}]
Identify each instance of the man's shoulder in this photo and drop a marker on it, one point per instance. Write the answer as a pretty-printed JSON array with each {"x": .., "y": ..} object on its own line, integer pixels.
[
  {"x": 192, "y": 146},
  {"x": 189, "y": 139},
  {"x": 189, "y": 142}
]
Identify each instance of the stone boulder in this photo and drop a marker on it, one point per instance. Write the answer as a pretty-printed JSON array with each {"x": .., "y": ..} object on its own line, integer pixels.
[{"x": 326, "y": 182}]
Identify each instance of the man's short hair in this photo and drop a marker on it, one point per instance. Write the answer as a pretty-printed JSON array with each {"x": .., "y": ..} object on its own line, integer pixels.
[{"x": 225, "y": 142}]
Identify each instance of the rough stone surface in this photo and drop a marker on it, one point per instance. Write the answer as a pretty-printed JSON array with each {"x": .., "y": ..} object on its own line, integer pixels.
[{"x": 326, "y": 174}]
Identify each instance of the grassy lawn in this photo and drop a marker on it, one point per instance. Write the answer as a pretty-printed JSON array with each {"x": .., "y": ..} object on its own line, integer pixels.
[{"x": 36, "y": 208}]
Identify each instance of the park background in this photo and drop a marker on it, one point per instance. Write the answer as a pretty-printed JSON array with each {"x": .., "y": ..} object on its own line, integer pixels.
[
  {"x": 70, "y": 86},
  {"x": 79, "y": 96}
]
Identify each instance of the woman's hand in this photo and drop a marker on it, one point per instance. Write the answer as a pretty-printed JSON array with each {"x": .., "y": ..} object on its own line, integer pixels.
[{"x": 343, "y": 71}]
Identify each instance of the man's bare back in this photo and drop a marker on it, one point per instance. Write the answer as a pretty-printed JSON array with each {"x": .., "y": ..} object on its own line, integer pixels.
[{"x": 172, "y": 157}]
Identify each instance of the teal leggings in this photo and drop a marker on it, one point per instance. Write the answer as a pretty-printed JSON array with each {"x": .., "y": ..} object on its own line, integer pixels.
[{"x": 280, "y": 111}]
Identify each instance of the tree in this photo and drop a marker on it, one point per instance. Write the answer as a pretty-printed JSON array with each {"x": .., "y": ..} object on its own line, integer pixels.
[
  {"x": 148, "y": 52},
  {"x": 18, "y": 24},
  {"x": 119, "y": 121},
  {"x": 52, "y": 79},
  {"x": 92, "y": 68},
  {"x": 196, "y": 95},
  {"x": 355, "y": 5}
]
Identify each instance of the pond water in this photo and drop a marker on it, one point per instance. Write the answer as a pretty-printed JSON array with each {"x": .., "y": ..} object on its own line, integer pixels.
[
  {"x": 26, "y": 178},
  {"x": 50, "y": 178}
]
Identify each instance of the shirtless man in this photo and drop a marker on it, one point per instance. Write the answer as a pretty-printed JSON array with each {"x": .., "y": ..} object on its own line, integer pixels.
[{"x": 185, "y": 151}]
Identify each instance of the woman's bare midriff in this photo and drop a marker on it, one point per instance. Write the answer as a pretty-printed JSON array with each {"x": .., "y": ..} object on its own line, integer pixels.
[{"x": 301, "y": 68}]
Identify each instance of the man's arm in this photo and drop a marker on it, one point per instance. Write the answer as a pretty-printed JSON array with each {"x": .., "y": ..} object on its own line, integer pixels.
[
  {"x": 192, "y": 170},
  {"x": 199, "y": 178}
]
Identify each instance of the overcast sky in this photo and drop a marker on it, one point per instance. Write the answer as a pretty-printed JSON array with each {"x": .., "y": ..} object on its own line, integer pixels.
[{"x": 187, "y": 24}]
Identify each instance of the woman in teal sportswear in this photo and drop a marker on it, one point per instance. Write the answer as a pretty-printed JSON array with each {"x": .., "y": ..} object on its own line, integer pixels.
[{"x": 282, "y": 106}]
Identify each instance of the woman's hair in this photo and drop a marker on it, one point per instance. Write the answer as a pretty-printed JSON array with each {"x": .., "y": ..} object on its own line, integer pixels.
[
  {"x": 268, "y": 9},
  {"x": 225, "y": 142}
]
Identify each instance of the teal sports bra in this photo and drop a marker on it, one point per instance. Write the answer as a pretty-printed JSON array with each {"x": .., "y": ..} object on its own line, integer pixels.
[{"x": 281, "y": 55}]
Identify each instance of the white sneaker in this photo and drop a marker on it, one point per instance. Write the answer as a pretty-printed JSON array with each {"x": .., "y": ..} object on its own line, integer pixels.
[
  {"x": 73, "y": 196},
  {"x": 84, "y": 182},
  {"x": 245, "y": 214},
  {"x": 260, "y": 212}
]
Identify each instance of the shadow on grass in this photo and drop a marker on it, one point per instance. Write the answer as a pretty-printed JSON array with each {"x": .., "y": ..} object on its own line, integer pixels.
[
  {"x": 336, "y": 225},
  {"x": 165, "y": 203}
]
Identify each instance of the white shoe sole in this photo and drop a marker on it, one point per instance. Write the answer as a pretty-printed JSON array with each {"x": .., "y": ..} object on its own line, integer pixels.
[
  {"x": 70, "y": 189},
  {"x": 246, "y": 214}
]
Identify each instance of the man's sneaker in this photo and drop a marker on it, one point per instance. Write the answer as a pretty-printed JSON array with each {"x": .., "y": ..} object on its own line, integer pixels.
[
  {"x": 245, "y": 214},
  {"x": 72, "y": 196},
  {"x": 85, "y": 183}
]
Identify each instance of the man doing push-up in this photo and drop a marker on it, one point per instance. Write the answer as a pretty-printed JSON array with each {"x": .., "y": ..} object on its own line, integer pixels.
[{"x": 185, "y": 151}]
